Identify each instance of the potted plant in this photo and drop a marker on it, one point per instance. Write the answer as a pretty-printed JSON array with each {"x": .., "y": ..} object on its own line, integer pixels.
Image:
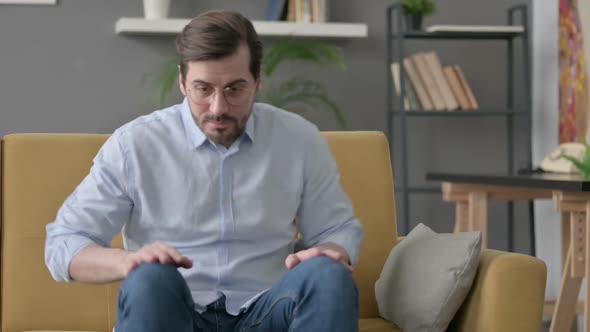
[
  {"x": 415, "y": 10},
  {"x": 582, "y": 164},
  {"x": 297, "y": 94},
  {"x": 156, "y": 9}
]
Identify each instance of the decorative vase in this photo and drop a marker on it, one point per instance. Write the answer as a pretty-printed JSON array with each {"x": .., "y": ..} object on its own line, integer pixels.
[
  {"x": 156, "y": 9},
  {"x": 413, "y": 22}
]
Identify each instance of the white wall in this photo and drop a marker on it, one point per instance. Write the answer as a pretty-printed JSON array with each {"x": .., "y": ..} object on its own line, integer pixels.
[{"x": 545, "y": 131}]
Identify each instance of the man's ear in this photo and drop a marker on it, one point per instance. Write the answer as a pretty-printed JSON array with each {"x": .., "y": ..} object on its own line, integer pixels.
[
  {"x": 259, "y": 85},
  {"x": 181, "y": 82}
]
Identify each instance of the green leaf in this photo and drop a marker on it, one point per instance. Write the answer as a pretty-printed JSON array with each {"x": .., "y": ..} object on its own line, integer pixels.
[
  {"x": 308, "y": 51},
  {"x": 299, "y": 95},
  {"x": 586, "y": 158},
  {"x": 163, "y": 80},
  {"x": 584, "y": 167},
  {"x": 419, "y": 7},
  {"x": 296, "y": 94}
]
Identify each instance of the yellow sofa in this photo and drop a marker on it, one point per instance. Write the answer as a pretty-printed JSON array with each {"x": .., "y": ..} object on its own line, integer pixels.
[{"x": 40, "y": 170}]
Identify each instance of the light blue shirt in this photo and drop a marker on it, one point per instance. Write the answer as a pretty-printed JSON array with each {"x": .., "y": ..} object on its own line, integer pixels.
[{"x": 232, "y": 211}]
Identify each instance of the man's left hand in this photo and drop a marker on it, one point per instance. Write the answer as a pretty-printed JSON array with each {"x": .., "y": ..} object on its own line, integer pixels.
[{"x": 331, "y": 250}]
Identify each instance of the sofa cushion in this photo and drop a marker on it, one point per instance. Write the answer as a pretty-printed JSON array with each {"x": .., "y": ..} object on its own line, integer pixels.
[{"x": 426, "y": 278}]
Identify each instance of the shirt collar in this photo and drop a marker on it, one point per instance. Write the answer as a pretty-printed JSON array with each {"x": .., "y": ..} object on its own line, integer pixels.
[
  {"x": 196, "y": 136},
  {"x": 249, "y": 131}
]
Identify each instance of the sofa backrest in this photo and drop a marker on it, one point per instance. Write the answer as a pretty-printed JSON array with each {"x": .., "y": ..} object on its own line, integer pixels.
[
  {"x": 38, "y": 171},
  {"x": 365, "y": 173}
]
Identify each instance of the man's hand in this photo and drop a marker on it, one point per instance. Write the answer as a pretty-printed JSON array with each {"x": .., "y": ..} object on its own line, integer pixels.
[
  {"x": 331, "y": 250},
  {"x": 157, "y": 252}
]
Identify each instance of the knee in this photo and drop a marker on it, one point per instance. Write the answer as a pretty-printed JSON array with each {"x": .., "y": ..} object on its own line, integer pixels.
[
  {"x": 328, "y": 274},
  {"x": 153, "y": 281},
  {"x": 154, "y": 297}
]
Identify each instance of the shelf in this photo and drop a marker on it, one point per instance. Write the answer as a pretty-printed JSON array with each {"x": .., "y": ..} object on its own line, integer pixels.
[
  {"x": 459, "y": 35},
  {"x": 509, "y": 114},
  {"x": 460, "y": 113},
  {"x": 417, "y": 190},
  {"x": 172, "y": 26}
]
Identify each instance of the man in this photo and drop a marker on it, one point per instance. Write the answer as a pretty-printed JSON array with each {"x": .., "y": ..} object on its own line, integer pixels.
[{"x": 206, "y": 194}]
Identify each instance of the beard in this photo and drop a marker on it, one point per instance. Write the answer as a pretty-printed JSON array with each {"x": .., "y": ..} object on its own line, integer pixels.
[{"x": 226, "y": 135}]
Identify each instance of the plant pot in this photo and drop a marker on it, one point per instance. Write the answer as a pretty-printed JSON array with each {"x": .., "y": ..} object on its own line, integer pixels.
[
  {"x": 156, "y": 9},
  {"x": 413, "y": 22}
]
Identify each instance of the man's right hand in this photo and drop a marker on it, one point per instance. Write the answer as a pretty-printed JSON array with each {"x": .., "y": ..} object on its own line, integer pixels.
[
  {"x": 96, "y": 264},
  {"x": 157, "y": 252}
]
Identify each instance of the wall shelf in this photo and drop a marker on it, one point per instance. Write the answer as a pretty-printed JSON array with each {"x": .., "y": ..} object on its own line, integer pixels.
[{"x": 172, "y": 26}]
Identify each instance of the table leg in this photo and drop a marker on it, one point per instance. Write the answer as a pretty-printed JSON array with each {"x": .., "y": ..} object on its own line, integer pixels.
[
  {"x": 564, "y": 313},
  {"x": 565, "y": 237},
  {"x": 566, "y": 234},
  {"x": 587, "y": 269},
  {"x": 478, "y": 215},
  {"x": 461, "y": 217}
]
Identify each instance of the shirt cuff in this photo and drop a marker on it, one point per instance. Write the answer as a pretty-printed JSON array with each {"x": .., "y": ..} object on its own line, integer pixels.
[
  {"x": 350, "y": 241},
  {"x": 60, "y": 252}
]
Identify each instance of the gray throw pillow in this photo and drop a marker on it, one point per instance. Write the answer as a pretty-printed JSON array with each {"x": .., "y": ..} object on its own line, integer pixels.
[{"x": 426, "y": 278}]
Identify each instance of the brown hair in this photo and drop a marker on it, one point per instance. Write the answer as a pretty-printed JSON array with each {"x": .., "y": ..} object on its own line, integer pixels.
[{"x": 216, "y": 34}]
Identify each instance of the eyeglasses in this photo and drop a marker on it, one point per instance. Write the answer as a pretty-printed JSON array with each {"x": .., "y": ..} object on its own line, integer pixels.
[{"x": 235, "y": 95}]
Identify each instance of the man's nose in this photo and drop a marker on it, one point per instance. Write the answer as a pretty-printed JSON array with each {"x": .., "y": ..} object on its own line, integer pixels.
[{"x": 218, "y": 104}]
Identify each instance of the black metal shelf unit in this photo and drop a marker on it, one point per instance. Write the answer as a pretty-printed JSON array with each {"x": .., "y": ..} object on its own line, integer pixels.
[{"x": 397, "y": 37}]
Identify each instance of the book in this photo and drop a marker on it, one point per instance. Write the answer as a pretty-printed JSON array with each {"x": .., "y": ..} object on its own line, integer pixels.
[
  {"x": 306, "y": 11},
  {"x": 410, "y": 100},
  {"x": 319, "y": 11},
  {"x": 292, "y": 12},
  {"x": 411, "y": 93},
  {"x": 439, "y": 78},
  {"x": 275, "y": 10},
  {"x": 397, "y": 85},
  {"x": 315, "y": 10},
  {"x": 456, "y": 87},
  {"x": 472, "y": 102},
  {"x": 423, "y": 69},
  {"x": 417, "y": 83},
  {"x": 475, "y": 28}
]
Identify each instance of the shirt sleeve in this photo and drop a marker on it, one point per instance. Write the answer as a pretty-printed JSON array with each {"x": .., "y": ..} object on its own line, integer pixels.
[
  {"x": 326, "y": 213},
  {"x": 94, "y": 213}
]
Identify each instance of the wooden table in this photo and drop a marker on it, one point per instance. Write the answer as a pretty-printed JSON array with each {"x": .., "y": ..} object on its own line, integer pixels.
[{"x": 571, "y": 194}]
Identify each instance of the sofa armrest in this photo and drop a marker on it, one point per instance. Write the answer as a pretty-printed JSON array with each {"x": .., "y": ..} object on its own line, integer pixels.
[{"x": 507, "y": 295}]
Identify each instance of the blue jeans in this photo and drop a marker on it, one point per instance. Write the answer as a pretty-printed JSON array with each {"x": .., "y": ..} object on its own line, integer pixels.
[{"x": 316, "y": 295}]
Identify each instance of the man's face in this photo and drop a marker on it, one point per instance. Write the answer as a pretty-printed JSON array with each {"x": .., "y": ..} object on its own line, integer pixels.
[{"x": 221, "y": 93}]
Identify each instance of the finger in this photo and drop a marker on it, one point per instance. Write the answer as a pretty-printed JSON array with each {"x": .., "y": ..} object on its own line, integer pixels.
[
  {"x": 304, "y": 255},
  {"x": 177, "y": 258},
  {"x": 148, "y": 255},
  {"x": 335, "y": 255},
  {"x": 145, "y": 256},
  {"x": 163, "y": 257},
  {"x": 185, "y": 262},
  {"x": 291, "y": 261},
  {"x": 154, "y": 253},
  {"x": 316, "y": 252},
  {"x": 171, "y": 251},
  {"x": 339, "y": 257}
]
